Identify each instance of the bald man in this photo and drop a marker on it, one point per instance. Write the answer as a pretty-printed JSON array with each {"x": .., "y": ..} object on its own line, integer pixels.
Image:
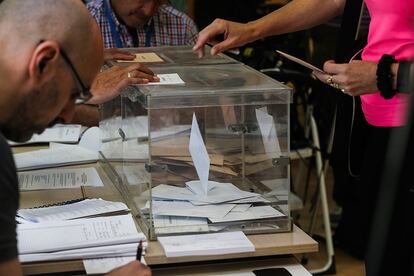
[{"x": 51, "y": 51}]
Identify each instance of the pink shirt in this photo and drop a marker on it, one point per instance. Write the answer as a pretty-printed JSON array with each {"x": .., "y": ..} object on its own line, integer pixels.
[{"x": 391, "y": 31}]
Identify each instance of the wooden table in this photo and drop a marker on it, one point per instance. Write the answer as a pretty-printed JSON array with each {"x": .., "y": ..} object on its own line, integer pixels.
[{"x": 267, "y": 245}]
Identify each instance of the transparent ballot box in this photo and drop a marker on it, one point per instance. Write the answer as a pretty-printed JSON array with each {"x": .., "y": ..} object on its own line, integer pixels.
[
  {"x": 205, "y": 155},
  {"x": 173, "y": 55}
]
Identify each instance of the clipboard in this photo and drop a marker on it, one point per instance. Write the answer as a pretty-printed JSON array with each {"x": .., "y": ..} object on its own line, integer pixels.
[{"x": 301, "y": 62}]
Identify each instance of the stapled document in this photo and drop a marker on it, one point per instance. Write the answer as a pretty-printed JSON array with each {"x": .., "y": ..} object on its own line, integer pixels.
[
  {"x": 76, "y": 234},
  {"x": 116, "y": 250},
  {"x": 81, "y": 209},
  {"x": 58, "y": 179}
]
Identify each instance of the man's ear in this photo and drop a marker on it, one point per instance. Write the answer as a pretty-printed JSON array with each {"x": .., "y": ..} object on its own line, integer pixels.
[{"x": 44, "y": 62}]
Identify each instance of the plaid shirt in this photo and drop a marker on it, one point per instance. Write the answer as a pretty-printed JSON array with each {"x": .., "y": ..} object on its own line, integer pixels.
[{"x": 171, "y": 27}]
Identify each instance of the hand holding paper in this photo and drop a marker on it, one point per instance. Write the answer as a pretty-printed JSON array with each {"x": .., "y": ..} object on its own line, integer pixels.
[{"x": 200, "y": 157}]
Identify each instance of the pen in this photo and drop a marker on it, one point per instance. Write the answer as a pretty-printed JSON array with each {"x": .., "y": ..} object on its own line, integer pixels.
[{"x": 139, "y": 251}]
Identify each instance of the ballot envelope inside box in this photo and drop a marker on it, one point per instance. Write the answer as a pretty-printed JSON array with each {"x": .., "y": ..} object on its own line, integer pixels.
[{"x": 207, "y": 150}]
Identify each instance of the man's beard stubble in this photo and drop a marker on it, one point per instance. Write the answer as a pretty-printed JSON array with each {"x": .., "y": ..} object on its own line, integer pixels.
[{"x": 22, "y": 126}]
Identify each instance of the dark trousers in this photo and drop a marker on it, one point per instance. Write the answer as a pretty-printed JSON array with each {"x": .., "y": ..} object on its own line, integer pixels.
[{"x": 356, "y": 184}]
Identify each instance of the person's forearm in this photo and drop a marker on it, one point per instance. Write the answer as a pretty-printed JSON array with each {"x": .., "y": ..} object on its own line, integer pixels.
[{"x": 296, "y": 16}]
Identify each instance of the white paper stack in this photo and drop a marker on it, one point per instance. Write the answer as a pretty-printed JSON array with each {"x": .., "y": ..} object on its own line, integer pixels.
[
  {"x": 224, "y": 203},
  {"x": 58, "y": 133},
  {"x": 81, "y": 209},
  {"x": 206, "y": 244},
  {"x": 49, "y": 158},
  {"x": 78, "y": 239},
  {"x": 61, "y": 154}
]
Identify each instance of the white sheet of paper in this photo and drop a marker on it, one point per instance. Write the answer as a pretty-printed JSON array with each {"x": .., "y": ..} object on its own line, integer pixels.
[
  {"x": 186, "y": 209},
  {"x": 167, "y": 79},
  {"x": 200, "y": 157},
  {"x": 75, "y": 234},
  {"x": 58, "y": 179},
  {"x": 206, "y": 244},
  {"x": 91, "y": 139},
  {"x": 268, "y": 130},
  {"x": 104, "y": 265},
  {"x": 301, "y": 62},
  {"x": 84, "y": 208},
  {"x": 58, "y": 133},
  {"x": 259, "y": 212}
]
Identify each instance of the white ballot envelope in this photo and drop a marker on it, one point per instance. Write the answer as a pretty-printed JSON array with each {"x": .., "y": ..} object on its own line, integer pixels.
[
  {"x": 269, "y": 134},
  {"x": 200, "y": 157}
]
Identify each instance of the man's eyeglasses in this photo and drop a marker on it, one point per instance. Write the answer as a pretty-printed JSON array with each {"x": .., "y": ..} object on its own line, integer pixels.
[{"x": 84, "y": 93}]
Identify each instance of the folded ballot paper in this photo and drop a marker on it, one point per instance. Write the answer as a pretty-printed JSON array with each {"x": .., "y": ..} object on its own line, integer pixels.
[{"x": 78, "y": 239}]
